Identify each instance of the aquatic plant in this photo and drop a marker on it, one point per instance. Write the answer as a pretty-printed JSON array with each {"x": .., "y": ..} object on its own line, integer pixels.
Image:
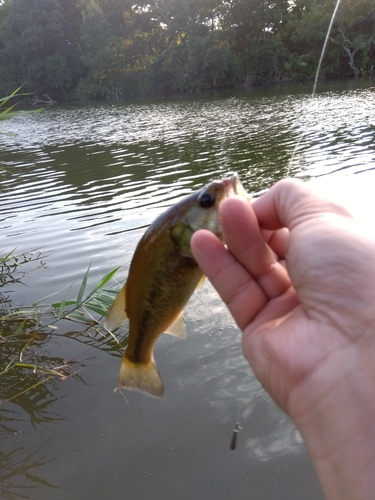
[
  {"x": 24, "y": 364},
  {"x": 9, "y": 112}
]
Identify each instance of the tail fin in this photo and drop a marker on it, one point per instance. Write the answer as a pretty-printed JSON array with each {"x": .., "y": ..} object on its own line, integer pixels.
[{"x": 140, "y": 377}]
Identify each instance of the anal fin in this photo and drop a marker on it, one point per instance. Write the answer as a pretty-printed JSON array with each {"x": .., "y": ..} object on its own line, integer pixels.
[{"x": 177, "y": 328}]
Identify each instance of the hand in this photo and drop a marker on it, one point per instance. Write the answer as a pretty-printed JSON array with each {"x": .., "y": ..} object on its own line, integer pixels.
[{"x": 298, "y": 276}]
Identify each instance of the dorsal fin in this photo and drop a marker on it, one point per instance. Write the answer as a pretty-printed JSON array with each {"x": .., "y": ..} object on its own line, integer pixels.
[
  {"x": 117, "y": 314},
  {"x": 177, "y": 329}
]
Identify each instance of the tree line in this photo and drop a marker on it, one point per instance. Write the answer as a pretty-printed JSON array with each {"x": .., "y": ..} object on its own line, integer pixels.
[{"x": 100, "y": 49}]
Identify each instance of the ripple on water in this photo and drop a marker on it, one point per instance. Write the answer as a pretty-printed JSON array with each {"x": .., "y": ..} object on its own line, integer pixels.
[
  {"x": 116, "y": 167},
  {"x": 82, "y": 183}
]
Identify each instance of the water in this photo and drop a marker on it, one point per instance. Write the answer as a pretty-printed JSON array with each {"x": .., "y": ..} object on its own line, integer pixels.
[{"x": 81, "y": 184}]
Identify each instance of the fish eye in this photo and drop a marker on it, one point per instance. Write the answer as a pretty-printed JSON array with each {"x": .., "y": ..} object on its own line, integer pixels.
[{"x": 206, "y": 200}]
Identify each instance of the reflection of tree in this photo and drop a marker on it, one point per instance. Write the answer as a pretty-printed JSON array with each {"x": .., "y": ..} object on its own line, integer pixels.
[
  {"x": 30, "y": 385},
  {"x": 27, "y": 396},
  {"x": 96, "y": 340},
  {"x": 17, "y": 473}
]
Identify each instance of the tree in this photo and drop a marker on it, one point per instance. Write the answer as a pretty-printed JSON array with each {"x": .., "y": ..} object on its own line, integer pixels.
[
  {"x": 111, "y": 48},
  {"x": 355, "y": 33},
  {"x": 119, "y": 40},
  {"x": 38, "y": 46}
]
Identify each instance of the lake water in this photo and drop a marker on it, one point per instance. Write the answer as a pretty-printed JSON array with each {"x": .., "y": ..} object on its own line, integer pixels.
[{"x": 81, "y": 185}]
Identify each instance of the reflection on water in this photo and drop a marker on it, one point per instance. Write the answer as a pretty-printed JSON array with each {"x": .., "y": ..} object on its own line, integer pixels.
[
  {"x": 27, "y": 401},
  {"x": 82, "y": 183},
  {"x": 19, "y": 470}
]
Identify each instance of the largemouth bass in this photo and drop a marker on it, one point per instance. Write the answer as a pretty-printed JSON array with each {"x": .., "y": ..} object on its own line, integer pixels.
[{"x": 163, "y": 275}]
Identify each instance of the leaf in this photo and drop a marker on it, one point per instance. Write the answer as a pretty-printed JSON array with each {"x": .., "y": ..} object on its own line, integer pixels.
[
  {"x": 105, "y": 301},
  {"x": 110, "y": 291},
  {"x": 79, "y": 316},
  {"x": 83, "y": 286},
  {"x": 48, "y": 296},
  {"x": 23, "y": 350},
  {"x": 3, "y": 100},
  {"x": 103, "y": 281},
  {"x": 38, "y": 319},
  {"x": 60, "y": 312},
  {"x": 20, "y": 327},
  {"x": 96, "y": 308},
  {"x": 67, "y": 303},
  {"x": 4, "y": 259},
  {"x": 113, "y": 336}
]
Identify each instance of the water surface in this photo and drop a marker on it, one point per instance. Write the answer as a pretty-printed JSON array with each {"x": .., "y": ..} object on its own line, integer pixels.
[{"x": 82, "y": 183}]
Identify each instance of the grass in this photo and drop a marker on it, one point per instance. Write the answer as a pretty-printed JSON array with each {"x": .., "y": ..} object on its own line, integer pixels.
[
  {"x": 10, "y": 112},
  {"x": 24, "y": 331}
]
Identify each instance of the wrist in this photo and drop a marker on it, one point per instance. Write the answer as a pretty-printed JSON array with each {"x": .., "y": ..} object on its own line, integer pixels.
[{"x": 334, "y": 410}]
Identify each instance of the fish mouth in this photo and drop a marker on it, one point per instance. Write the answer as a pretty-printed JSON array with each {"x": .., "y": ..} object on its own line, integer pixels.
[{"x": 234, "y": 186}]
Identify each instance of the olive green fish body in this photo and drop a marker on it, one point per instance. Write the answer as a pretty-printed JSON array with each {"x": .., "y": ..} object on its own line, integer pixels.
[
  {"x": 160, "y": 283},
  {"x": 162, "y": 276}
]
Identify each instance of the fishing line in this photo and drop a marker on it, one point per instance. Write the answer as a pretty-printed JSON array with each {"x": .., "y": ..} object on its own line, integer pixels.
[{"x": 316, "y": 78}]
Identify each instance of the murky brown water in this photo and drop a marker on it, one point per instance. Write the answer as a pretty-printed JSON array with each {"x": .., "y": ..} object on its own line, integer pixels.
[{"x": 81, "y": 184}]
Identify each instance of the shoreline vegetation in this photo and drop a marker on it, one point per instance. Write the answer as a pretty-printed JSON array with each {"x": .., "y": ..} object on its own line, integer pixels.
[
  {"x": 25, "y": 331},
  {"x": 113, "y": 49}
]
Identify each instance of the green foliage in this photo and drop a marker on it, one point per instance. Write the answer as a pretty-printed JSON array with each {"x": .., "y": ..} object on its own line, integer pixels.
[
  {"x": 38, "y": 46},
  {"x": 9, "y": 112},
  {"x": 32, "y": 326},
  {"x": 97, "y": 301},
  {"x": 14, "y": 268},
  {"x": 107, "y": 49}
]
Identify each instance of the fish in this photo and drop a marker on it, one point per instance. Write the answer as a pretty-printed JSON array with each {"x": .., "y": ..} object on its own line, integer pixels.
[{"x": 163, "y": 275}]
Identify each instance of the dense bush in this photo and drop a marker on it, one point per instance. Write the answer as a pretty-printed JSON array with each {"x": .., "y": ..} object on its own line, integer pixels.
[{"x": 113, "y": 48}]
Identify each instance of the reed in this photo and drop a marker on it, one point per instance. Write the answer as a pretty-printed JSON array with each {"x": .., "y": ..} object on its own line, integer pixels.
[{"x": 25, "y": 331}]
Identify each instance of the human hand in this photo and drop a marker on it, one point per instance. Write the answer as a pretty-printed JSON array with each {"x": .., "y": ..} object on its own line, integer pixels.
[{"x": 308, "y": 328}]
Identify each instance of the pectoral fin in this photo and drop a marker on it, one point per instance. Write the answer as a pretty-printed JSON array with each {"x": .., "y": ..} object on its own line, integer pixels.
[
  {"x": 177, "y": 329},
  {"x": 181, "y": 235},
  {"x": 116, "y": 314}
]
